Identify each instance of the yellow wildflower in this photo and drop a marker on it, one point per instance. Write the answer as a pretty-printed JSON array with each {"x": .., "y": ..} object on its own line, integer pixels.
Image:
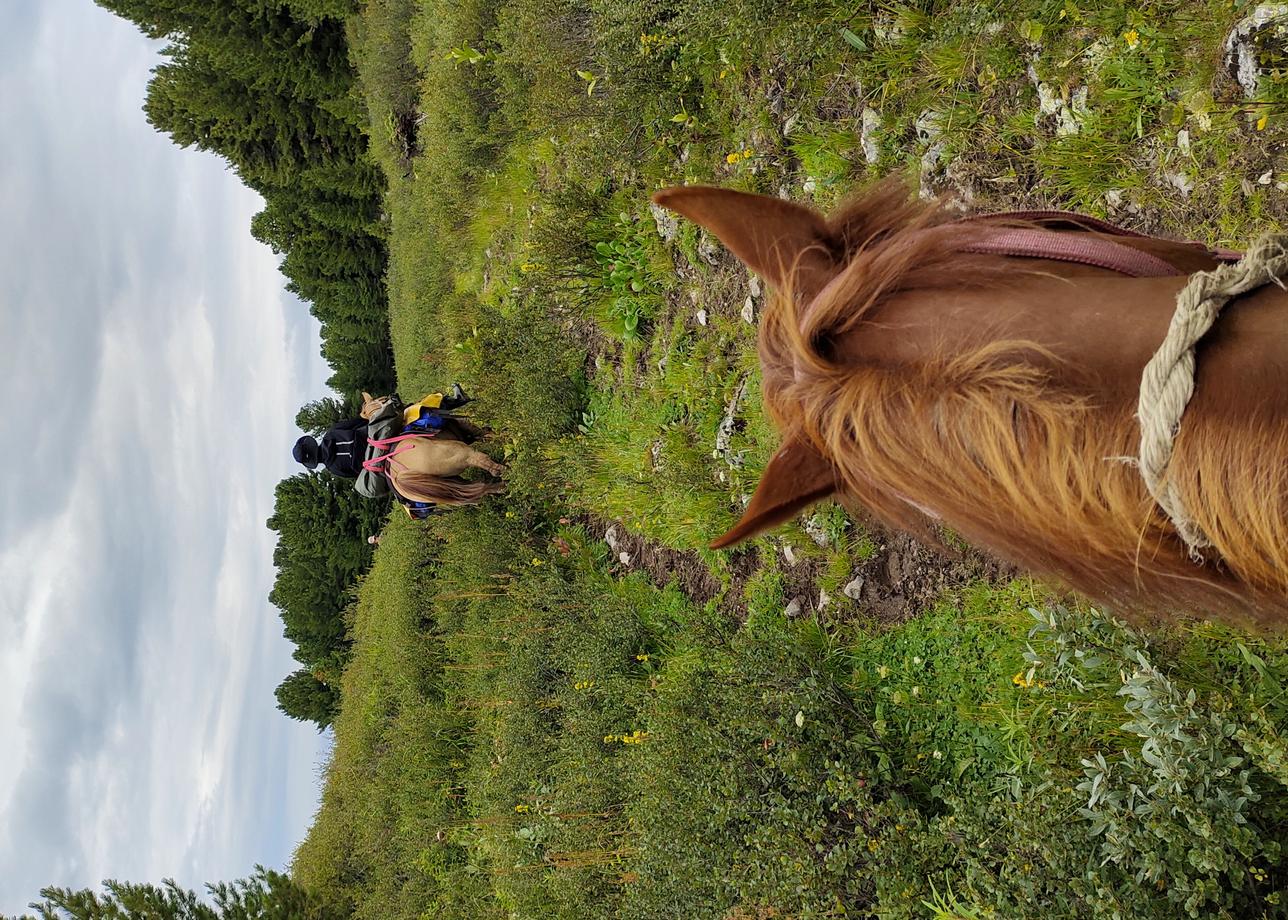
[
  {"x": 521, "y": 809},
  {"x": 1020, "y": 680},
  {"x": 641, "y": 657},
  {"x": 1132, "y": 38},
  {"x": 537, "y": 562},
  {"x": 1263, "y": 121}
]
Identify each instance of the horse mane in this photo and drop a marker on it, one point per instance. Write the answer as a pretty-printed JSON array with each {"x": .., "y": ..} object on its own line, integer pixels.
[
  {"x": 1002, "y": 448},
  {"x": 440, "y": 490}
]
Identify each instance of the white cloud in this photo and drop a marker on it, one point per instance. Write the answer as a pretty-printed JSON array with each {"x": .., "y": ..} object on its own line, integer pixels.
[{"x": 156, "y": 366}]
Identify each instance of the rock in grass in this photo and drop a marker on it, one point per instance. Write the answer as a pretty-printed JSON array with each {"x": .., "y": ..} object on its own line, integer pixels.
[
  {"x": 854, "y": 589},
  {"x": 668, "y": 224},
  {"x": 709, "y": 249},
  {"x": 1264, "y": 26},
  {"x": 816, "y": 531},
  {"x": 1179, "y": 181},
  {"x": 868, "y": 135},
  {"x": 793, "y": 608},
  {"x": 728, "y": 424}
]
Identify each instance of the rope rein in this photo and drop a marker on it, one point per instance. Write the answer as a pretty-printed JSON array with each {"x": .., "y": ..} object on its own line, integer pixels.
[{"x": 1168, "y": 379}]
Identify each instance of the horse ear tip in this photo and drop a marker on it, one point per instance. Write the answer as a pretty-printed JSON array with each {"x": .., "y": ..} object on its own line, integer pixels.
[{"x": 726, "y": 540}]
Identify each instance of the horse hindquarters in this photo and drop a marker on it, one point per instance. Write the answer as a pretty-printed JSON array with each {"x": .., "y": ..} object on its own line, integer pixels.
[{"x": 430, "y": 471}]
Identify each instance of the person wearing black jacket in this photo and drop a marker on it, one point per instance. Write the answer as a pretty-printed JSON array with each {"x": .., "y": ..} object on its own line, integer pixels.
[
  {"x": 343, "y": 447},
  {"x": 340, "y": 451}
]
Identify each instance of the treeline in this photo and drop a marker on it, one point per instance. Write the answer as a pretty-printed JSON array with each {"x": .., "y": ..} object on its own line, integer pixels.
[
  {"x": 322, "y": 551},
  {"x": 266, "y": 895},
  {"x": 268, "y": 86},
  {"x": 321, "y": 554}
]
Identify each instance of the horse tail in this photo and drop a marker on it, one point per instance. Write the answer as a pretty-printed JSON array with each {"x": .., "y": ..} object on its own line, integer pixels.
[{"x": 421, "y": 487}]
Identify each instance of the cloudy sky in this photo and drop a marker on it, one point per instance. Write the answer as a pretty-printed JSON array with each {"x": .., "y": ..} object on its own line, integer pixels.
[{"x": 152, "y": 366}]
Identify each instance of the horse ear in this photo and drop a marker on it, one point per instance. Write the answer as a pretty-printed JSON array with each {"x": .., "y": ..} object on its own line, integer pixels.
[
  {"x": 796, "y": 477},
  {"x": 773, "y": 237}
]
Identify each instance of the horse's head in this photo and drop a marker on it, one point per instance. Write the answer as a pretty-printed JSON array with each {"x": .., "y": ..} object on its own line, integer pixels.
[
  {"x": 810, "y": 260},
  {"x": 888, "y": 284},
  {"x": 921, "y": 375},
  {"x": 793, "y": 249}
]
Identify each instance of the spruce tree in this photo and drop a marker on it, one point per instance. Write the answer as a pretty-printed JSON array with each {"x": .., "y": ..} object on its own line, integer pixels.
[{"x": 266, "y": 895}]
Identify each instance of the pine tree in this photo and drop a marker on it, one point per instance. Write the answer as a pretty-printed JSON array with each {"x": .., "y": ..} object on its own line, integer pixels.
[
  {"x": 266, "y": 895},
  {"x": 322, "y": 550},
  {"x": 307, "y": 695},
  {"x": 267, "y": 85},
  {"x": 318, "y": 416}
]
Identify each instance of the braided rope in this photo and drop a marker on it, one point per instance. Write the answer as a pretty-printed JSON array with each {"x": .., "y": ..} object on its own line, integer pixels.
[{"x": 1168, "y": 380}]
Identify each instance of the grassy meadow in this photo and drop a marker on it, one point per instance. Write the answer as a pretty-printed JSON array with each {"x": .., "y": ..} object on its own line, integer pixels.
[{"x": 561, "y": 705}]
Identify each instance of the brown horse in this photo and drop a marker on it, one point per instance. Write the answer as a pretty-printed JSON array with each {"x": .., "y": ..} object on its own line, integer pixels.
[
  {"x": 996, "y": 394},
  {"x": 428, "y": 470}
]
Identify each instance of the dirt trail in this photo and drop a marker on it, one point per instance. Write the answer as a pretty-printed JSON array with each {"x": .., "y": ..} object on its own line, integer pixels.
[{"x": 902, "y": 579}]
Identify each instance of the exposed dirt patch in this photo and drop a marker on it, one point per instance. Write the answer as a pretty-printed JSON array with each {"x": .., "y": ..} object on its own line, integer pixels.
[
  {"x": 901, "y": 580},
  {"x": 800, "y": 585},
  {"x": 405, "y": 141},
  {"x": 664, "y": 565},
  {"x": 905, "y": 576},
  {"x": 719, "y": 285}
]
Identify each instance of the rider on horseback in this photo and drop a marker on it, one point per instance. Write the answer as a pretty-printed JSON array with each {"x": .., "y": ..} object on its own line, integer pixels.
[{"x": 343, "y": 447}]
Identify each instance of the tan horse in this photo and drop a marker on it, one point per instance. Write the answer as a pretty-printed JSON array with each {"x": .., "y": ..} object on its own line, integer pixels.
[
  {"x": 429, "y": 470},
  {"x": 925, "y": 382}
]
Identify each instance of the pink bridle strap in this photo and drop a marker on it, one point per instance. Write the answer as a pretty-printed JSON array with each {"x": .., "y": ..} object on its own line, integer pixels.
[
  {"x": 1051, "y": 243},
  {"x": 1070, "y": 247},
  {"x": 382, "y": 463},
  {"x": 1043, "y": 243}
]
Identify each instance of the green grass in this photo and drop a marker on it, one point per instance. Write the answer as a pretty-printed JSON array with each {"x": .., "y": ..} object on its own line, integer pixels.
[
  {"x": 526, "y": 734},
  {"x": 529, "y": 732}
]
